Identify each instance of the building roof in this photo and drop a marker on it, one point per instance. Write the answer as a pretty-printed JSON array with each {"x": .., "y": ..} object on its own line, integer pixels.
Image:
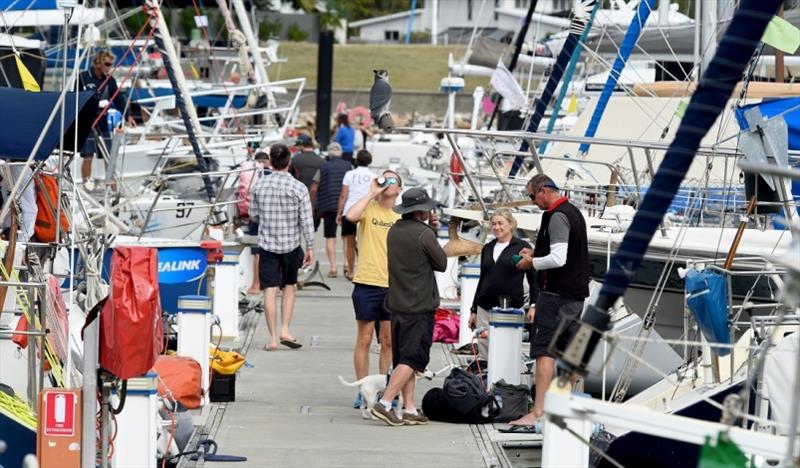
[
  {"x": 384, "y": 18},
  {"x": 537, "y": 17}
]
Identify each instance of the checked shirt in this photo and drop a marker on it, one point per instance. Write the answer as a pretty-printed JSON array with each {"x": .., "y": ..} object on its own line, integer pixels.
[{"x": 282, "y": 208}]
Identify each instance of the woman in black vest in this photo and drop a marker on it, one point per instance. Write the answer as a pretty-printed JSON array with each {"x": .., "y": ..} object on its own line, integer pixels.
[{"x": 499, "y": 279}]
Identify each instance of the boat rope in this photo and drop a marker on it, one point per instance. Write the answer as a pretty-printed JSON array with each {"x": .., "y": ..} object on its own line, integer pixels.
[{"x": 15, "y": 408}]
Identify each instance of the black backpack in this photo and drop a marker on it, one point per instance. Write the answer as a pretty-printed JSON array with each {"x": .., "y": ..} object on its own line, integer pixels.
[{"x": 462, "y": 400}]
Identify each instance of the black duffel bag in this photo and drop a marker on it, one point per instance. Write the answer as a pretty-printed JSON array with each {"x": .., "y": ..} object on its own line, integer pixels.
[
  {"x": 513, "y": 400},
  {"x": 462, "y": 400}
]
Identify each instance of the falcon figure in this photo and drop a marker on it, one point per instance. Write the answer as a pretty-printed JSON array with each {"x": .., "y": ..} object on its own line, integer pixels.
[{"x": 380, "y": 96}]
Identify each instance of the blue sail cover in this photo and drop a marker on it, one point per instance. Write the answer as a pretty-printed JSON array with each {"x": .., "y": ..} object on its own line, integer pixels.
[
  {"x": 631, "y": 37},
  {"x": 213, "y": 100},
  {"x": 707, "y": 298},
  {"x": 23, "y": 115},
  {"x": 25, "y": 5}
]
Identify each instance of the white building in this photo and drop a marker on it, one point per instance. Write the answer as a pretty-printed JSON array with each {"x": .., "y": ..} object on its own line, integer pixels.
[{"x": 457, "y": 18}]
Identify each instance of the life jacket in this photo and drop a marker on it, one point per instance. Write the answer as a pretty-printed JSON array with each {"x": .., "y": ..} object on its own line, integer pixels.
[{"x": 47, "y": 203}]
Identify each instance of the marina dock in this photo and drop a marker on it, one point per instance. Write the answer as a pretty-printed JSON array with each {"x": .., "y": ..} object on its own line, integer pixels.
[{"x": 292, "y": 411}]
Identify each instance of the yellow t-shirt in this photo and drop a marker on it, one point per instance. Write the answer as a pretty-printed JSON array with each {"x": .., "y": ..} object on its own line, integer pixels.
[{"x": 373, "y": 228}]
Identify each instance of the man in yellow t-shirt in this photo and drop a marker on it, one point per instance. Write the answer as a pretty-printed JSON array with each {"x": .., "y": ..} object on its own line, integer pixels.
[{"x": 374, "y": 216}]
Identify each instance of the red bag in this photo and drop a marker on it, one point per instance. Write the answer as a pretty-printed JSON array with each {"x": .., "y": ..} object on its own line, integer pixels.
[
  {"x": 47, "y": 205},
  {"x": 19, "y": 339},
  {"x": 130, "y": 323},
  {"x": 445, "y": 327},
  {"x": 179, "y": 380}
]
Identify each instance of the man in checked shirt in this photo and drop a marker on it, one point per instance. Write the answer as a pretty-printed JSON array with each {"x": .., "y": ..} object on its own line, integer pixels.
[{"x": 282, "y": 208}]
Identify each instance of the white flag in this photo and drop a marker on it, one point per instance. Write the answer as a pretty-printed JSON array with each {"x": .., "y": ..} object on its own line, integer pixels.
[{"x": 505, "y": 84}]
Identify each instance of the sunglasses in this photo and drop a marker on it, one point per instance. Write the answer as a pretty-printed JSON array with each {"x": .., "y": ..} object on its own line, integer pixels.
[{"x": 111, "y": 64}]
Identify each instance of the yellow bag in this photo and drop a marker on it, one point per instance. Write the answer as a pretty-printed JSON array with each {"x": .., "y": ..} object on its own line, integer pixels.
[{"x": 225, "y": 362}]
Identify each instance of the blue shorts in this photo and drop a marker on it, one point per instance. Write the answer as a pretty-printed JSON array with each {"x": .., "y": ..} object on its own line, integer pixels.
[
  {"x": 368, "y": 302},
  {"x": 90, "y": 148}
]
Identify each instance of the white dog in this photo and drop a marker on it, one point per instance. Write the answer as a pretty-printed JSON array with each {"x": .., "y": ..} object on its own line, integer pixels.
[{"x": 372, "y": 386}]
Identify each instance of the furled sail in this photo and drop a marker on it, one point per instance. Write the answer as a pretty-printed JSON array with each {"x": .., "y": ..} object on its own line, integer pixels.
[{"x": 579, "y": 20}]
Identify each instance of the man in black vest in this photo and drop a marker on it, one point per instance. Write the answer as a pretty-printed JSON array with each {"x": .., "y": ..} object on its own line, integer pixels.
[{"x": 561, "y": 260}]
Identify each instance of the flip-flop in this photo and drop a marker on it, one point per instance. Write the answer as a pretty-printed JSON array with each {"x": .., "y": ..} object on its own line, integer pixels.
[
  {"x": 293, "y": 344},
  {"x": 519, "y": 429}
]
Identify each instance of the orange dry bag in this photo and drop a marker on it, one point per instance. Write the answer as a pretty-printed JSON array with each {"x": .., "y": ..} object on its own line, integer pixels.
[{"x": 46, "y": 203}]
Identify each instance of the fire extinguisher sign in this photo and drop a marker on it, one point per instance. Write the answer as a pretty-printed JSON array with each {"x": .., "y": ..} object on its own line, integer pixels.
[{"x": 59, "y": 419}]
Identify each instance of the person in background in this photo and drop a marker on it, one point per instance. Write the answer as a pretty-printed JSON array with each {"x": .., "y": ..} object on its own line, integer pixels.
[
  {"x": 305, "y": 165},
  {"x": 345, "y": 136},
  {"x": 561, "y": 260},
  {"x": 374, "y": 215},
  {"x": 104, "y": 86},
  {"x": 282, "y": 209},
  {"x": 325, "y": 193},
  {"x": 262, "y": 168},
  {"x": 414, "y": 255},
  {"x": 499, "y": 277},
  {"x": 362, "y": 135},
  {"x": 355, "y": 185}
]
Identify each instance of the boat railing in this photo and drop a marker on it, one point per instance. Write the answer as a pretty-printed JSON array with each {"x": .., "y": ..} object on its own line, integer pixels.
[
  {"x": 228, "y": 112},
  {"x": 27, "y": 294}
]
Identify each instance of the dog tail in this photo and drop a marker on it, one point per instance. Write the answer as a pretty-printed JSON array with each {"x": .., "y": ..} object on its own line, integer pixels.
[{"x": 349, "y": 384}]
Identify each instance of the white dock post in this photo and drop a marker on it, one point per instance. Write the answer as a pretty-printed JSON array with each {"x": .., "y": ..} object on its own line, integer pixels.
[
  {"x": 560, "y": 448},
  {"x": 470, "y": 273},
  {"x": 226, "y": 295},
  {"x": 505, "y": 343},
  {"x": 448, "y": 285},
  {"x": 135, "y": 445},
  {"x": 194, "y": 333}
]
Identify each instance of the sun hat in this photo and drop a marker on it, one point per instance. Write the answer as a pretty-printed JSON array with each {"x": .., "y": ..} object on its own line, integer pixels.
[{"x": 415, "y": 199}]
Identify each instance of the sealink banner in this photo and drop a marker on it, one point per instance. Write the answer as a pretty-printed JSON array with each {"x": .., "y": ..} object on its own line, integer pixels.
[{"x": 181, "y": 265}]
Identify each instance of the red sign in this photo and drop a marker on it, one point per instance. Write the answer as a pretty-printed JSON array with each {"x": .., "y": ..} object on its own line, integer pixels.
[{"x": 59, "y": 416}]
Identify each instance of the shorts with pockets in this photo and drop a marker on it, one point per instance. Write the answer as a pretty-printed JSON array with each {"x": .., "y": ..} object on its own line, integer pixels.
[
  {"x": 554, "y": 323},
  {"x": 412, "y": 337},
  {"x": 278, "y": 270}
]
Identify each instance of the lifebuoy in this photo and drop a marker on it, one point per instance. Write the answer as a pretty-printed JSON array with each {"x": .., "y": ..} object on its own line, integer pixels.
[
  {"x": 456, "y": 170},
  {"x": 362, "y": 112}
]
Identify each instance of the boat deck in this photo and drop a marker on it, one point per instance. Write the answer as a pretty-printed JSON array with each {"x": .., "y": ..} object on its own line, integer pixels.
[{"x": 292, "y": 411}]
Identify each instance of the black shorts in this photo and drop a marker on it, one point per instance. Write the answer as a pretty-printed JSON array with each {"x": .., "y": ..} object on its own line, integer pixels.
[
  {"x": 317, "y": 220},
  {"x": 348, "y": 228},
  {"x": 412, "y": 337},
  {"x": 91, "y": 148},
  {"x": 554, "y": 324},
  {"x": 329, "y": 224},
  {"x": 368, "y": 302},
  {"x": 252, "y": 229},
  {"x": 278, "y": 270}
]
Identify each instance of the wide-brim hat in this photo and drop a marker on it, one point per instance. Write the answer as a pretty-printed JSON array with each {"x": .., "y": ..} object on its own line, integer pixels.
[{"x": 415, "y": 199}]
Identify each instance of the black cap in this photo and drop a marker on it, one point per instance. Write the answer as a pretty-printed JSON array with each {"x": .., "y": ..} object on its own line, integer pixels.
[{"x": 415, "y": 199}]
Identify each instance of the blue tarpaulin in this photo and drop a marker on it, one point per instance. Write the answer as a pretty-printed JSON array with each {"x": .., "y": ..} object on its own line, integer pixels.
[
  {"x": 707, "y": 298},
  {"x": 213, "y": 100},
  {"x": 24, "y": 5},
  {"x": 773, "y": 107},
  {"x": 789, "y": 109},
  {"x": 23, "y": 115}
]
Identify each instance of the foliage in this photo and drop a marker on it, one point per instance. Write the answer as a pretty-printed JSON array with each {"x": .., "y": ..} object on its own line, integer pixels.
[
  {"x": 295, "y": 33},
  {"x": 420, "y": 37},
  {"x": 362, "y": 9},
  {"x": 270, "y": 29}
]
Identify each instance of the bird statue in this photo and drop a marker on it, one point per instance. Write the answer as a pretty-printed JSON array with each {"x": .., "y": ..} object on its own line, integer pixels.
[{"x": 380, "y": 96}]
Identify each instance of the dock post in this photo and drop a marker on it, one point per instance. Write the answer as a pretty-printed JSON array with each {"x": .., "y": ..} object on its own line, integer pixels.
[
  {"x": 194, "y": 333},
  {"x": 226, "y": 295},
  {"x": 505, "y": 345},
  {"x": 135, "y": 444},
  {"x": 470, "y": 273}
]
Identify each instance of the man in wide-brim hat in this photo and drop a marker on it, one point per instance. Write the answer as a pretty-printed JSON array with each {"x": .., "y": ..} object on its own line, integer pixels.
[{"x": 413, "y": 256}]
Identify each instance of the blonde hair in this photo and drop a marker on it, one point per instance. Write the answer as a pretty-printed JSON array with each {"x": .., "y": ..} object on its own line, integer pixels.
[
  {"x": 508, "y": 215},
  {"x": 102, "y": 55}
]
